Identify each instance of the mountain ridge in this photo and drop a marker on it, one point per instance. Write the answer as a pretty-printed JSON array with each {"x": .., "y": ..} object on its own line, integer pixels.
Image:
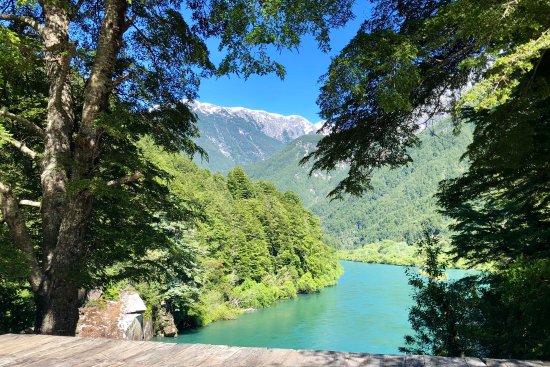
[
  {"x": 399, "y": 202},
  {"x": 239, "y": 136}
]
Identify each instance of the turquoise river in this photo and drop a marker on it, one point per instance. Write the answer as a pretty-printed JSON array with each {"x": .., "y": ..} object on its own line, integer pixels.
[{"x": 366, "y": 312}]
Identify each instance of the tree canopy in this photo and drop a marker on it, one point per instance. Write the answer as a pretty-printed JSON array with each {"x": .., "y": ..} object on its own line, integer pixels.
[
  {"x": 81, "y": 82},
  {"x": 415, "y": 60},
  {"x": 484, "y": 63}
]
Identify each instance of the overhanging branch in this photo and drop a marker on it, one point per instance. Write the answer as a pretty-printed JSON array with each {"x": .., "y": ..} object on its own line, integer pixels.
[
  {"x": 23, "y": 121},
  {"x": 22, "y": 147},
  {"x": 30, "y": 21},
  {"x": 120, "y": 80},
  {"x": 19, "y": 233},
  {"x": 126, "y": 179}
]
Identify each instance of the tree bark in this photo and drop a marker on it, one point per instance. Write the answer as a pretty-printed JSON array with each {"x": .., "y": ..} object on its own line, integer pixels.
[
  {"x": 65, "y": 215},
  {"x": 60, "y": 123},
  {"x": 57, "y": 306}
]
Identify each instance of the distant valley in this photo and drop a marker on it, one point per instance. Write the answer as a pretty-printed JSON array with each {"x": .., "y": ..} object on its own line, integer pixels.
[{"x": 269, "y": 147}]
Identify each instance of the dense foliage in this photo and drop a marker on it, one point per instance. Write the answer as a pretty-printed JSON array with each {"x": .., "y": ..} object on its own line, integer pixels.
[
  {"x": 486, "y": 63},
  {"x": 414, "y": 59},
  {"x": 502, "y": 313},
  {"x": 399, "y": 201},
  {"x": 253, "y": 244},
  {"x": 501, "y": 205},
  {"x": 80, "y": 83}
]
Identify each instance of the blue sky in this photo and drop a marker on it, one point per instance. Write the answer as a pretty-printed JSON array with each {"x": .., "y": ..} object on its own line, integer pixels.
[{"x": 297, "y": 93}]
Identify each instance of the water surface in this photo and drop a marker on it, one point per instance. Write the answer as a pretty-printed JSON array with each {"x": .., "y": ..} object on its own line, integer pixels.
[{"x": 366, "y": 312}]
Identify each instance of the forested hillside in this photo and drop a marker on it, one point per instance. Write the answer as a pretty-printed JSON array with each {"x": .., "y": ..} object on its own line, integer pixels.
[
  {"x": 253, "y": 244},
  {"x": 242, "y": 245},
  {"x": 400, "y": 200}
]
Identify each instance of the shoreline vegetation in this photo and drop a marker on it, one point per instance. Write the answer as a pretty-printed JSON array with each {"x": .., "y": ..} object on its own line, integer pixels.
[
  {"x": 253, "y": 245},
  {"x": 396, "y": 253}
]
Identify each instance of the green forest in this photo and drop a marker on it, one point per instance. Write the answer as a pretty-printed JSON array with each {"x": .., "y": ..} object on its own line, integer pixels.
[
  {"x": 242, "y": 246},
  {"x": 399, "y": 200},
  {"x": 252, "y": 244}
]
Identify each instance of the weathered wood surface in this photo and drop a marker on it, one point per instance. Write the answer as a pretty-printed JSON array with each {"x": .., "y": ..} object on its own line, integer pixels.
[{"x": 46, "y": 351}]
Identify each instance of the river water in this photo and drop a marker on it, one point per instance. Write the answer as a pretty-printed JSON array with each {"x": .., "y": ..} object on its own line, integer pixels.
[{"x": 366, "y": 312}]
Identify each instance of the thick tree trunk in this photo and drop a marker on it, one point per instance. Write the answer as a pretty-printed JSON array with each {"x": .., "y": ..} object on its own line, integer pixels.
[
  {"x": 65, "y": 215},
  {"x": 57, "y": 307},
  {"x": 60, "y": 122},
  {"x": 57, "y": 297},
  {"x": 57, "y": 300}
]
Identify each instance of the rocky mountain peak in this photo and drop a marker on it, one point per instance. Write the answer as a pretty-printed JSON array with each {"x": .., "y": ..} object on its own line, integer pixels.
[{"x": 277, "y": 126}]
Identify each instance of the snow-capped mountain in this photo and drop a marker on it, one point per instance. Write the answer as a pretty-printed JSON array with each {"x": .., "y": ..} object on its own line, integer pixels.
[
  {"x": 280, "y": 127},
  {"x": 237, "y": 135}
]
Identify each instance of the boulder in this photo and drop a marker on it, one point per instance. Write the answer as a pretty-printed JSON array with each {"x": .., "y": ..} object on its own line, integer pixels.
[
  {"x": 167, "y": 325},
  {"x": 132, "y": 303}
]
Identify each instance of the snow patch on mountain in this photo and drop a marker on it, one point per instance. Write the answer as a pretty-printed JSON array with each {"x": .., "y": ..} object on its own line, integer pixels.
[{"x": 221, "y": 146}]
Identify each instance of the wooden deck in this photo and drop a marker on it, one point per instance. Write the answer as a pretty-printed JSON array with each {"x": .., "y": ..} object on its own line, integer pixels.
[{"x": 46, "y": 351}]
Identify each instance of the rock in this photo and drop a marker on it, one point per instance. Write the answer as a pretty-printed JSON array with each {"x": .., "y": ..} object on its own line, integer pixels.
[
  {"x": 167, "y": 325},
  {"x": 170, "y": 331},
  {"x": 148, "y": 329},
  {"x": 94, "y": 295},
  {"x": 135, "y": 330},
  {"x": 132, "y": 303},
  {"x": 122, "y": 319}
]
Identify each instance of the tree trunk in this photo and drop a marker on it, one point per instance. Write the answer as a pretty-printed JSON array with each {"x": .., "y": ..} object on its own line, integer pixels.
[
  {"x": 60, "y": 123},
  {"x": 57, "y": 307},
  {"x": 57, "y": 299},
  {"x": 71, "y": 155}
]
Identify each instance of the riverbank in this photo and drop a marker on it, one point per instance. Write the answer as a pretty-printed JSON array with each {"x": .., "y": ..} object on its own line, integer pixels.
[
  {"x": 366, "y": 311},
  {"x": 392, "y": 253}
]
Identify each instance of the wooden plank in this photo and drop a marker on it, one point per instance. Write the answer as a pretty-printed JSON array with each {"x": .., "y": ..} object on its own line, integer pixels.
[
  {"x": 217, "y": 356},
  {"x": 474, "y": 362},
  {"x": 431, "y": 361},
  {"x": 202, "y": 355},
  {"x": 146, "y": 350},
  {"x": 322, "y": 358},
  {"x": 413, "y": 360},
  {"x": 387, "y": 360},
  {"x": 159, "y": 354},
  {"x": 239, "y": 358},
  {"x": 73, "y": 348},
  {"x": 495, "y": 362},
  {"x": 17, "y": 342},
  {"x": 7, "y": 361},
  {"x": 46, "y": 351},
  {"x": 283, "y": 357},
  {"x": 7, "y": 338},
  {"x": 357, "y": 359},
  {"x": 88, "y": 350},
  {"x": 191, "y": 355},
  {"x": 117, "y": 352},
  {"x": 48, "y": 347}
]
